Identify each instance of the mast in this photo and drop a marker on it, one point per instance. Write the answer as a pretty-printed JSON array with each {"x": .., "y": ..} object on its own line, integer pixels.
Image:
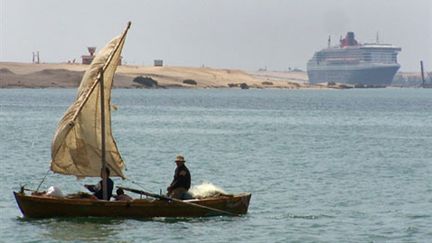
[
  {"x": 102, "y": 103},
  {"x": 422, "y": 74},
  {"x": 103, "y": 157}
]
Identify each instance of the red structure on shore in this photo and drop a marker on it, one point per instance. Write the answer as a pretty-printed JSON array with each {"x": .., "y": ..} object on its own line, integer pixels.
[{"x": 87, "y": 59}]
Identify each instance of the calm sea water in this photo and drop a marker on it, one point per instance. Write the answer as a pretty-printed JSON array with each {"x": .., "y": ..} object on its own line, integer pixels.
[{"x": 322, "y": 165}]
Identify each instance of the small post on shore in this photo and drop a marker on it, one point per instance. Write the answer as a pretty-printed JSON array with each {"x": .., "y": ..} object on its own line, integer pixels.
[{"x": 422, "y": 74}]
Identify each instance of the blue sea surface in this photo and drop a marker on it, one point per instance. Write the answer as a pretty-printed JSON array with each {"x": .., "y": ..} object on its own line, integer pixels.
[{"x": 322, "y": 165}]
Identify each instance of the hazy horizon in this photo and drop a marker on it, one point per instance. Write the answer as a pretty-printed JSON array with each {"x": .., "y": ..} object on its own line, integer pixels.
[{"x": 225, "y": 34}]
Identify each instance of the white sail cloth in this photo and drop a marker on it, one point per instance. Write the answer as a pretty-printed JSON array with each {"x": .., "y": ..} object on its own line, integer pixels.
[{"x": 76, "y": 147}]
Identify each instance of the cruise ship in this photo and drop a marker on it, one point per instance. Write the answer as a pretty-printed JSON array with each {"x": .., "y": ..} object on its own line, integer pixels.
[{"x": 353, "y": 63}]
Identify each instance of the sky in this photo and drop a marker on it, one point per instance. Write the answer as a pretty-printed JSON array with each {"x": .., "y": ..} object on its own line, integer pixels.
[{"x": 243, "y": 34}]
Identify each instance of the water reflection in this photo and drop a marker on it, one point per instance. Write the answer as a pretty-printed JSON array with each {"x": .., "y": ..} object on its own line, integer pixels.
[
  {"x": 198, "y": 220},
  {"x": 77, "y": 229},
  {"x": 94, "y": 229}
]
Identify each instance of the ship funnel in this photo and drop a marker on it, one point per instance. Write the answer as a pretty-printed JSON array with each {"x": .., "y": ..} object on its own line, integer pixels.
[
  {"x": 349, "y": 40},
  {"x": 91, "y": 50}
]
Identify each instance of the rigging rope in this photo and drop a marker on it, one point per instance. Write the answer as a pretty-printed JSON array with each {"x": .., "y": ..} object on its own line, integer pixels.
[
  {"x": 40, "y": 184},
  {"x": 139, "y": 185}
]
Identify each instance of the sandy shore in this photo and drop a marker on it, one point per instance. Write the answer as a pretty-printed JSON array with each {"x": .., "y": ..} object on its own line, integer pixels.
[
  {"x": 28, "y": 75},
  {"x": 63, "y": 75}
]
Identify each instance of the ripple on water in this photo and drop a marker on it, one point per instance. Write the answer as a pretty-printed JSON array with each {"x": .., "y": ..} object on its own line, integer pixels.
[{"x": 322, "y": 166}]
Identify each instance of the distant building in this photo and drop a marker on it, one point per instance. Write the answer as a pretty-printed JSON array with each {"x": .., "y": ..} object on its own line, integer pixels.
[
  {"x": 87, "y": 59},
  {"x": 158, "y": 62}
]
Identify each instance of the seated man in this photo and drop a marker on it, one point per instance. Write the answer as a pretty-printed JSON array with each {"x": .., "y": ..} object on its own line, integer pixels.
[
  {"x": 97, "y": 189},
  {"x": 182, "y": 180},
  {"x": 121, "y": 196}
]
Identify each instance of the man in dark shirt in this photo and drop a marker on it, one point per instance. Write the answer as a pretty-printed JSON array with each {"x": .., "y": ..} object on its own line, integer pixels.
[
  {"x": 97, "y": 189},
  {"x": 182, "y": 179}
]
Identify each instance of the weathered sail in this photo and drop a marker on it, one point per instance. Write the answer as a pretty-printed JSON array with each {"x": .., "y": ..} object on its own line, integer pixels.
[{"x": 76, "y": 147}]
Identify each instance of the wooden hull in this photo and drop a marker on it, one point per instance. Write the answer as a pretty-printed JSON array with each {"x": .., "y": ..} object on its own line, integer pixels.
[{"x": 33, "y": 206}]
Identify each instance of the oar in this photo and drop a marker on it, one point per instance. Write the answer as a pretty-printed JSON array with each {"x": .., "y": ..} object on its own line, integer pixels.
[{"x": 176, "y": 200}]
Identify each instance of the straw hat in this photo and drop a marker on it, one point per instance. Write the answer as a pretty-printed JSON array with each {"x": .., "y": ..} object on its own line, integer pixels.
[{"x": 180, "y": 158}]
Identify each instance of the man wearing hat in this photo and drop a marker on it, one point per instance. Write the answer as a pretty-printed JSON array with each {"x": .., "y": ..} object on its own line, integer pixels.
[{"x": 182, "y": 179}]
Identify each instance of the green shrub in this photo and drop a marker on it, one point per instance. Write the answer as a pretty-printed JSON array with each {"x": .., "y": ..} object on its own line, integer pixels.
[
  {"x": 148, "y": 82},
  {"x": 190, "y": 81}
]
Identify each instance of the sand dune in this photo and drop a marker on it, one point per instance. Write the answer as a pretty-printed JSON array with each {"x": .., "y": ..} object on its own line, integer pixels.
[{"x": 69, "y": 75}]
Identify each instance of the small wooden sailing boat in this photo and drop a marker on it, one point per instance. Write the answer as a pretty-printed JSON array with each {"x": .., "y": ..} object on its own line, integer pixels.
[{"x": 83, "y": 145}]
